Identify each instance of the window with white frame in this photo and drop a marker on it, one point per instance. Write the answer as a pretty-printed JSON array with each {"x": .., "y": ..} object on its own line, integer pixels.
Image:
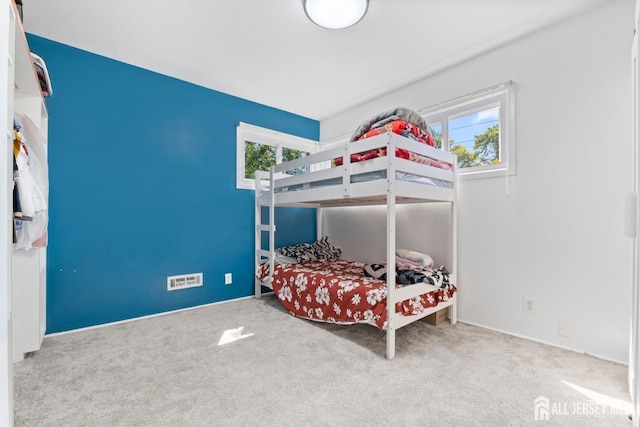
[
  {"x": 260, "y": 148},
  {"x": 478, "y": 128}
]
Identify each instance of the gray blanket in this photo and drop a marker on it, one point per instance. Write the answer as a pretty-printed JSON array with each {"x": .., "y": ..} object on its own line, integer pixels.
[{"x": 381, "y": 119}]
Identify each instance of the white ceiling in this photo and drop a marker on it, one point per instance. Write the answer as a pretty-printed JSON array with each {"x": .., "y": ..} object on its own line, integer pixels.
[{"x": 267, "y": 51}]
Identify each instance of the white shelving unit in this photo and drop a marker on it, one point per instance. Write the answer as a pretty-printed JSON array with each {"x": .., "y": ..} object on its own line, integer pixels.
[
  {"x": 28, "y": 267},
  {"x": 7, "y": 35},
  {"x": 22, "y": 273}
]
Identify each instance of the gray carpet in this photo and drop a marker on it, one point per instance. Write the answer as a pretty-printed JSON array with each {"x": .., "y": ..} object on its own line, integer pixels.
[{"x": 170, "y": 371}]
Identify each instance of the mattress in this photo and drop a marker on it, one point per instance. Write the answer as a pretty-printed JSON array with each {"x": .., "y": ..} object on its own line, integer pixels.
[
  {"x": 364, "y": 177},
  {"x": 336, "y": 291}
]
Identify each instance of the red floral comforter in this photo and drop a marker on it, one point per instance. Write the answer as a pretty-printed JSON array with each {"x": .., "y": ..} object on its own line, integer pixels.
[
  {"x": 336, "y": 291},
  {"x": 401, "y": 128}
]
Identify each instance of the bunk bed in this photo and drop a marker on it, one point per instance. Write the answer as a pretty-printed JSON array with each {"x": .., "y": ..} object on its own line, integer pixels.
[{"x": 347, "y": 175}]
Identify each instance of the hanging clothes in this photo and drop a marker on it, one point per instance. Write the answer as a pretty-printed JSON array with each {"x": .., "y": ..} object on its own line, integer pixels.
[{"x": 30, "y": 192}]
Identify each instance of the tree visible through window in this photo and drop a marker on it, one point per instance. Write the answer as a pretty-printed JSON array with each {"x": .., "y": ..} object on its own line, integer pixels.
[
  {"x": 291, "y": 154},
  {"x": 473, "y": 138},
  {"x": 257, "y": 157},
  {"x": 475, "y": 129},
  {"x": 262, "y": 156},
  {"x": 260, "y": 148}
]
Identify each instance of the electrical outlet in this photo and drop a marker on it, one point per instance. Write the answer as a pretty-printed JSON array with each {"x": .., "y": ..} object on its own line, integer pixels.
[
  {"x": 563, "y": 328},
  {"x": 227, "y": 279},
  {"x": 529, "y": 305}
]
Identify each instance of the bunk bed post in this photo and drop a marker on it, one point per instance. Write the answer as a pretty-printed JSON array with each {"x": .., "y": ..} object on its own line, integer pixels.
[
  {"x": 258, "y": 239},
  {"x": 319, "y": 224},
  {"x": 272, "y": 223},
  {"x": 453, "y": 309},
  {"x": 259, "y": 176},
  {"x": 391, "y": 251}
]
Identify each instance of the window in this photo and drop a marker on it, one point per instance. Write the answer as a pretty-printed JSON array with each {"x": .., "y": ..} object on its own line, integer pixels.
[
  {"x": 478, "y": 128},
  {"x": 260, "y": 148}
]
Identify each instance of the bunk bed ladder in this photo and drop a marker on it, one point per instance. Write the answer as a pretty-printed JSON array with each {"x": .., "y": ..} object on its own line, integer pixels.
[{"x": 261, "y": 227}]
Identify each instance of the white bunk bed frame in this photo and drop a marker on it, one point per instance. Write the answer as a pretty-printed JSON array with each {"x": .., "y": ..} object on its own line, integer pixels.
[{"x": 273, "y": 189}]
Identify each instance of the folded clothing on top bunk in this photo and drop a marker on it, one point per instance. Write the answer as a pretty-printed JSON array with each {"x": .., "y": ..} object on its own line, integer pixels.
[
  {"x": 406, "y": 129},
  {"x": 399, "y": 113},
  {"x": 400, "y": 128},
  {"x": 401, "y": 121},
  {"x": 336, "y": 291}
]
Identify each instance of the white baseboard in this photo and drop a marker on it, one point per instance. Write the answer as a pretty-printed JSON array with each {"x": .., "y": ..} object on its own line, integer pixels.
[
  {"x": 625, "y": 363},
  {"x": 134, "y": 319}
]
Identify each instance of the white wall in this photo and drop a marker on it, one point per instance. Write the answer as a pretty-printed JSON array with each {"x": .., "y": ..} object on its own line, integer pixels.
[
  {"x": 554, "y": 231},
  {"x": 361, "y": 232}
]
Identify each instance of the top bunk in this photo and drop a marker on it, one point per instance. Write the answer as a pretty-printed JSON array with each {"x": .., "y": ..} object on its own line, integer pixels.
[{"x": 361, "y": 173}]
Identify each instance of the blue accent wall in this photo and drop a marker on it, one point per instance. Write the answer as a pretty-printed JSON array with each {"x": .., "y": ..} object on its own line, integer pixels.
[{"x": 142, "y": 186}]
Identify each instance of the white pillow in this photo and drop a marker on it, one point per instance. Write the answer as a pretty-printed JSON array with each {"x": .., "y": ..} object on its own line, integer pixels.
[
  {"x": 283, "y": 259},
  {"x": 414, "y": 256}
]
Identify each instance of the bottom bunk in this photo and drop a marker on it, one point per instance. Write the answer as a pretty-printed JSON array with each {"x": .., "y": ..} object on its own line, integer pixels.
[{"x": 340, "y": 291}]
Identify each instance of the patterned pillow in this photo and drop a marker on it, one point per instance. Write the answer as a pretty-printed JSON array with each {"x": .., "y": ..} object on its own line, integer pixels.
[
  {"x": 377, "y": 271},
  {"x": 403, "y": 277},
  {"x": 301, "y": 252},
  {"x": 323, "y": 249}
]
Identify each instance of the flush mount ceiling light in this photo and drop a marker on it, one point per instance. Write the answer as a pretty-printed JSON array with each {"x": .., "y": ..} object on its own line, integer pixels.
[{"x": 335, "y": 14}]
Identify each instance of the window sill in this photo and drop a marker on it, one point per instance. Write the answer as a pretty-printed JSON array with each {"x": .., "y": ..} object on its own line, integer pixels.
[{"x": 492, "y": 173}]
